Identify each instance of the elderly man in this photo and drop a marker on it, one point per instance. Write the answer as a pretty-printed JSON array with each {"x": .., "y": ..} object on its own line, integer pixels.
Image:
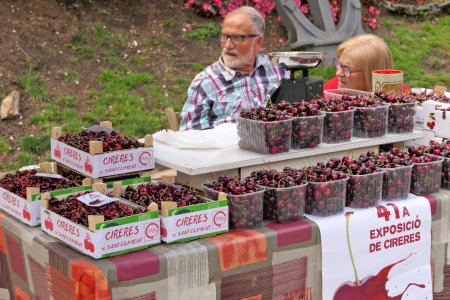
[{"x": 240, "y": 79}]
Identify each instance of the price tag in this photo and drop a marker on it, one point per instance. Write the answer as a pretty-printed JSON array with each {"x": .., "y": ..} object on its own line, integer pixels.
[
  {"x": 96, "y": 199},
  {"x": 48, "y": 175}
]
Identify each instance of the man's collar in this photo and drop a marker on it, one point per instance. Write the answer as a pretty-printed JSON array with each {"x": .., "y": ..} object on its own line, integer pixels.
[{"x": 229, "y": 74}]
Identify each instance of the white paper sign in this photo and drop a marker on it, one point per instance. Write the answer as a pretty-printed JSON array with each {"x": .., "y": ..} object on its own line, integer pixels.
[
  {"x": 49, "y": 175},
  {"x": 382, "y": 252},
  {"x": 95, "y": 199}
]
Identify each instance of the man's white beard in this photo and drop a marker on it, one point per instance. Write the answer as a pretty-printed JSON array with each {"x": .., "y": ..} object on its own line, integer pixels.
[{"x": 237, "y": 62}]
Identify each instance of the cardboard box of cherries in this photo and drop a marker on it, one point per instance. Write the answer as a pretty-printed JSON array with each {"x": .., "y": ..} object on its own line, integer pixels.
[
  {"x": 101, "y": 151},
  {"x": 185, "y": 213},
  {"x": 97, "y": 222},
  {"x": 20, "y": 191}
]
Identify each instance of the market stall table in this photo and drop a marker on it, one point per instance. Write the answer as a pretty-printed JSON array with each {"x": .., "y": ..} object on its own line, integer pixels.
[
  {"x": 277, "y": 261},
  {"x": 195, "y": 166}
]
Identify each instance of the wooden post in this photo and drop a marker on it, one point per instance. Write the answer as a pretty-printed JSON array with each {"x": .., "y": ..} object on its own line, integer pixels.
[
  {"x": 44, "y": 199},
  {"x": 48, "y": 167},
  {"x": 31, "y": 190},
  {"x": 222, "y": 196},
  {"x": 99, "y": 187},
  {"x": 106, "y": 124},
  {"x": 94, "y": 220},
  {"x": 87, "y": 181},
  {"x": 117, "y": 188},
  {"x": 168, "y": 178},
  {"x": 166, "y": 206},
  {"x": 56, "y": 132},
  {"x": 172, "y": 119},
  {"x": 95, "y": 147},
  {"x": 152, "y": 207},
  {"x": 148, "y": 140}
]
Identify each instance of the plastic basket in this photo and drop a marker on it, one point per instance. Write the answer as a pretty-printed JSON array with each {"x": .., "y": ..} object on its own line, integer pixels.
[{"x": 307, "y": 132}]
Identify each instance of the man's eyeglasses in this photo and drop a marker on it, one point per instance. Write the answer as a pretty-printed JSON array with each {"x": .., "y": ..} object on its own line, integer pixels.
[
  {"x": 236, "y": 39},
  {"x": 345, "y": 69}
]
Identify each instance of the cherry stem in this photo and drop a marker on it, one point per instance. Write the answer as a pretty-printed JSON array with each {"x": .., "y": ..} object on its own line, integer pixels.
[{"x": 347, "y": 221}]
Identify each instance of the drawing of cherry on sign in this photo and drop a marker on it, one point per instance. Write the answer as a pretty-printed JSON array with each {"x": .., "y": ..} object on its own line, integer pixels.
[
  {"x": 48, "y": 223},
  {"x": 26, "y": 213},
  {"x": 57, "y": 152},
  {"x": 88, "y": 245},
  {"x": 372, "y": 286},
  {"x": 87, "y": 166}
]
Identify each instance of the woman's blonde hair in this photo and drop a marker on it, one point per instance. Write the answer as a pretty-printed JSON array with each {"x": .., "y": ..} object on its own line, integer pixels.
[{"x": 367, "y": 53}]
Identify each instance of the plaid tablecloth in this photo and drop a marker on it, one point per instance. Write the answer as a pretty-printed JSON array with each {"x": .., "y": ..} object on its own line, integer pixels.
[{"x": 277, "y": 261}]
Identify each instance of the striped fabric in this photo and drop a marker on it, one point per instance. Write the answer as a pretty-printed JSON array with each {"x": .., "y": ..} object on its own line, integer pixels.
[
  {"x": 271, "y": 262},
  {"x": 218, "y": 94}
]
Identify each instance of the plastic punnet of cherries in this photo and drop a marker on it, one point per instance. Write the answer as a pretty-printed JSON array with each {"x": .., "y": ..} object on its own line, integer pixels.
[
  {"x": 18, "y": 182},
  {"x": 401, "y": 111},
  {"x": 440, "y": 150},
  {"x": 110, "y": 141},
  {"x": 245, "y": 200},
  {"x": 156, "y": 192},
  {"x": 325, "y": 190},
  {"x": 364, "y": 187},
  {"x": 78, "y": 212},
  {"x": 284, "y": 193},
  {"x": 371, "y": 116},
  {"x": 265, "y": 129}
]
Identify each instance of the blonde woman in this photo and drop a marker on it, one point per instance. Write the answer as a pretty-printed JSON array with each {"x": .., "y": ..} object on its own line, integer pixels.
[{"x": 356, "y": 58}]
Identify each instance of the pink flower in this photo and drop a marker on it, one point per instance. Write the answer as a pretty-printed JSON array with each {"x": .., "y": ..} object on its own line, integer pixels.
[
  {"x": 373, "y": 23},
  {"x": 206, "y": 6},
  {"x": 282, "y": 41},
  {"x": 222, "y": 12},
  {"x": 371, "y": 9},
  {"x": 304, "y": 9},
  {"x": 189, "y": 4},
  {"x": 280, "y": 19}
]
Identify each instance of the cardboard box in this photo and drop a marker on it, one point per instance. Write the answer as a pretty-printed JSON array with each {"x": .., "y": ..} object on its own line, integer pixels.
[
  {"x": 190, "y": 222},
  {"x": 432, "y": 116},
  {"x": 102, "y": 238},
  {"x": 26, "y": 210},
  {"x": 102, "y": 164}
]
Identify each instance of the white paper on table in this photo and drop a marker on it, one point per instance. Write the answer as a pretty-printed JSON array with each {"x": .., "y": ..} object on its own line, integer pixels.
[{"x": 222, "y": 136}]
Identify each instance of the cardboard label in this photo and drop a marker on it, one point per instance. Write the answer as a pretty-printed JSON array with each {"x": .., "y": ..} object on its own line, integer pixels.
[
  {"x": 49, "y": 175},
  {"x": 21, "y": 209},
  {"x": 96, "y": 199},
  {"x": 105, "y": 164},
  {"x": 105, "y": 241},
  {"x": 193, "y": 224}
]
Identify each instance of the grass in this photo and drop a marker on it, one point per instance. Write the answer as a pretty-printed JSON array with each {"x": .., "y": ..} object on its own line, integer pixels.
[
  {"x": 35, "y": 144},
  {"x": 412, "y": 50},
  {"x": 33, "y": 85},
  {"x": 5, "y": 148},
  {"x": 203, "y": 32}
]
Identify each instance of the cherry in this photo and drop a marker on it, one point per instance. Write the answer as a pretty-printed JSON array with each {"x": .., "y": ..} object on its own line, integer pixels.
[{"x": 110, "y": 141}]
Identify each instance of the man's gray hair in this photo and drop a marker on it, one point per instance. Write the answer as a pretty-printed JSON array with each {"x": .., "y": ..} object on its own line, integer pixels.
[{"x": 257, "y": 19}]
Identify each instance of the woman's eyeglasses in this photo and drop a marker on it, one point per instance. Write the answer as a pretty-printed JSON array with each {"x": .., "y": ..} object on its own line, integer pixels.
[
  {"x": 345, "y": 69},
  {"x": 236, "y": 39}
]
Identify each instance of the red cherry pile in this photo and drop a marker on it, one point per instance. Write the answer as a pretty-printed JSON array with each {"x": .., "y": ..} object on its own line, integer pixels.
[
  {"x": 111, "y": 142},
  {"x": 338, "y": 124},
  {"x": 284, "y": 195},
  {"x": 423, "y": 96},
  {"x": 401, "y": 111},
  {"x": 245, "y": 200},
  {"x": 371, "y": 117},
  {"x": 78, "y": 212},
  {"x": 145, "y": 194},
  {"x": 18, "y": 182},
  {"x": 325, "y": 190},
  {"x": 265, "y": 130}
]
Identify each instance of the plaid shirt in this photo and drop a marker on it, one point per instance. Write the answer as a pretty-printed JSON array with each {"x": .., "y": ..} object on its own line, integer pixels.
[{"x": 218, "y": 94}]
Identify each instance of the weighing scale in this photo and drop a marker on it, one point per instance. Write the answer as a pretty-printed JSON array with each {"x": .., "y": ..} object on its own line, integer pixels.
[{"x": 297, "y": 89}]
